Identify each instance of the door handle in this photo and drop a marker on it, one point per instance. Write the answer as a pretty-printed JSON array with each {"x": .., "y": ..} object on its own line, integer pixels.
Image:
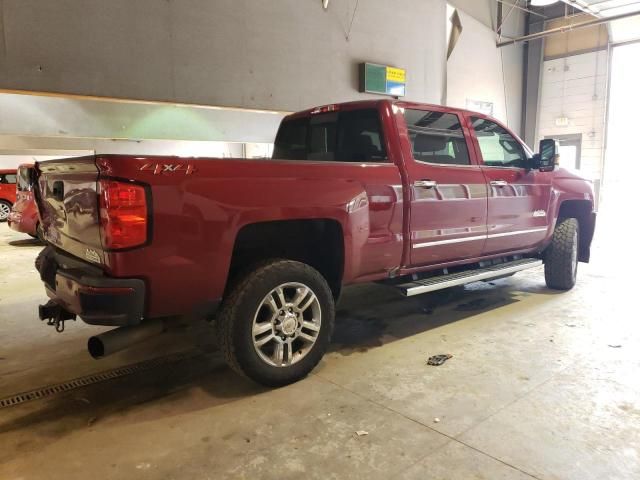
[
  {"x": 425, "y": 183},
  {"x": 498, "y": 183}
]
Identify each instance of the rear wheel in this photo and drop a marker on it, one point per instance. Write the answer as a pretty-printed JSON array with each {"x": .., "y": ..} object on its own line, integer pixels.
[
  {"x": 561, "y": 256},
  {"x": 275, "y": 325},
  {"x": 5, "y": 209}
]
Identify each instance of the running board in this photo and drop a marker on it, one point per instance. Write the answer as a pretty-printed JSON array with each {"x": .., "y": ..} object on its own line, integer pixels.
[{"x": 452, "y": 279}]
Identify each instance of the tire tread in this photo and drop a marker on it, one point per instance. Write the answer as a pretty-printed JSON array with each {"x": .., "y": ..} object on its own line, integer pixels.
[
  {"x": 558, "y": 267},
  {"x": 224, "y": 323}
]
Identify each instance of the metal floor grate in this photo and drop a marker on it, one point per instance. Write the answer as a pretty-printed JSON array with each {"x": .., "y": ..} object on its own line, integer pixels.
[{"x": 50, "y": 390}]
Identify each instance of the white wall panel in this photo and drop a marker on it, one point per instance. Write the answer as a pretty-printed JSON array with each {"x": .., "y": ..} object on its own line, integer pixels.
[
  {"x": 576, "y": 87},
  {"x": 477, "y": 70}
]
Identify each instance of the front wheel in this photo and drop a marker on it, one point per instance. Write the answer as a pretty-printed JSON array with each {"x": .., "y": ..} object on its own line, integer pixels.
[
  {"x": 561, "y": 256},
  {"x": 276, "y": 324}
]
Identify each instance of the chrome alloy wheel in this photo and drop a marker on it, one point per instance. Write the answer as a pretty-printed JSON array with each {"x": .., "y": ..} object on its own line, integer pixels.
[
  {"x": 5, "y": 210},
  {"x": 286, "y": 324}
]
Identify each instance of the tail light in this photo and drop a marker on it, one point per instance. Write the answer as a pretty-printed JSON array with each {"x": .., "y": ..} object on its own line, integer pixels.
[{"x": 123, "y": 214}]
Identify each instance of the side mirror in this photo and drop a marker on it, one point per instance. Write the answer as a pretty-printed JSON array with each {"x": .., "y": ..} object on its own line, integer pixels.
[{"x": 547, "y": 159}]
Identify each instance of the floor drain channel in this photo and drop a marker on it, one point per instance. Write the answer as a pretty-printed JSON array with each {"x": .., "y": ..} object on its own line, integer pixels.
[{"x": 80, "y": 382}]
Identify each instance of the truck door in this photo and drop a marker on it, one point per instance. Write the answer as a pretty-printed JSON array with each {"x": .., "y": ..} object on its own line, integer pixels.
[
  {"x": 448, "y": 192},
  {"x": 518, "y": 196}
]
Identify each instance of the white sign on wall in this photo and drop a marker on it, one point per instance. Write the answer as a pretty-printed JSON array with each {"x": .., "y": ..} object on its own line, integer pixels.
[{"x": 480, "y": 106}]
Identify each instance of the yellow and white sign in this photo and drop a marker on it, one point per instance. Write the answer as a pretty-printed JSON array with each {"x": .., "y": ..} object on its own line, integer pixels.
[{"x": 396, "y": 75}]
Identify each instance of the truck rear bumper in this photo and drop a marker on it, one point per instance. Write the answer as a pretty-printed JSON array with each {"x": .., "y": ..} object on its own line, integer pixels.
[{"x": 83, "y": 289}]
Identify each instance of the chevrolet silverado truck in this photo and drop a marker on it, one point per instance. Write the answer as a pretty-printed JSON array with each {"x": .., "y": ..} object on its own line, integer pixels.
[{"x": 420, "y": 197}]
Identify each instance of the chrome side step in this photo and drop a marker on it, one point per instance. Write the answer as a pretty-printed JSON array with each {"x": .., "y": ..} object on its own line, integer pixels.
[{"x": 452, "y": 279}]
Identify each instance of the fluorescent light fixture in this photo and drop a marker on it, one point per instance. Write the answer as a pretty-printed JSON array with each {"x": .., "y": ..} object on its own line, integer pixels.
[{"x": 542, "y": 3}]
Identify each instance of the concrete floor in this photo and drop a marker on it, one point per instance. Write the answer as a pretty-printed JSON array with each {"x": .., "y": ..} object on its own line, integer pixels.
[{"x": 541, "y": 385}]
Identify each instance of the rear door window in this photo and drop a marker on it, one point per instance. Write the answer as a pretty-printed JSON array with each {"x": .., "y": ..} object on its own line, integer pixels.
[
  {"x": 436, "y": 137},
  {"x": 350, "y": 136}
]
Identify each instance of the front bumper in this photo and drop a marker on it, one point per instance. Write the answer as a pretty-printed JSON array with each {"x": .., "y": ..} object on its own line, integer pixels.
[{"x": 84, "y": 290}]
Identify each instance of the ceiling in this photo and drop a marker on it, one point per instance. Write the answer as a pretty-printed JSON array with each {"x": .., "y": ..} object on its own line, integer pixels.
[
  {"x": 620, "y": 31},
  {"x": 605, "y": 8}
]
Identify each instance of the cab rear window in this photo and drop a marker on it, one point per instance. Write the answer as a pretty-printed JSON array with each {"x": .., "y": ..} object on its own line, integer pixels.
[
  {"x": 24, "y": 179},
  {"x": 350, "y": 136}
]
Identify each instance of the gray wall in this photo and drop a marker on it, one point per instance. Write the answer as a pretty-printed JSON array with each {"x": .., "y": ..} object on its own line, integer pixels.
[{"x": 270, "y": 54}]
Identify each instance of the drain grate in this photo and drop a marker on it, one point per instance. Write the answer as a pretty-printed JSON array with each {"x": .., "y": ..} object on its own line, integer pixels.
[{"x": 50, "y": 390}]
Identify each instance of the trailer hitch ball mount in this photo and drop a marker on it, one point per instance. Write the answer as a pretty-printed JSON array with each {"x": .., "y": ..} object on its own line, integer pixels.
[{"x": 55, "y": 315}]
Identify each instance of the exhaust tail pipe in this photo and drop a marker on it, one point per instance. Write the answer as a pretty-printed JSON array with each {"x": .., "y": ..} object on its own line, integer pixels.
[{"x": 124, "y": 337}]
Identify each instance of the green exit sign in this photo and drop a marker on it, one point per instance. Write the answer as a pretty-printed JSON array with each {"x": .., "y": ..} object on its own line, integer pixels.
[{"x": 382, "y": 79}]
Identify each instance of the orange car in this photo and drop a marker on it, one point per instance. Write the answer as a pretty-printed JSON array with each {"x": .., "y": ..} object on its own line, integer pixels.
[
  {"x": 24, "y": 214},
  {"x": 7, "y": 192}
]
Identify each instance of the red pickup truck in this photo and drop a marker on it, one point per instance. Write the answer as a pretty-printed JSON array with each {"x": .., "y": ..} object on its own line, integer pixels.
[
  {"x": 8, "y": 180},
  {"x": 418, "y": 196}
]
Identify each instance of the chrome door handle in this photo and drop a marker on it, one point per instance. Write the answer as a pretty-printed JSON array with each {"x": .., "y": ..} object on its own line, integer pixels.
[
  {"x": 425, "y": 183},
  {"x": 498, "y": 183}
]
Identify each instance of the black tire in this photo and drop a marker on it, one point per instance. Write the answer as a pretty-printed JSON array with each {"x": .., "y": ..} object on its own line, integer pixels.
[
  {"x": 5, "y": 208},
  {"x": 561, "y": 256},
  {"x": 234, "y": 324}
]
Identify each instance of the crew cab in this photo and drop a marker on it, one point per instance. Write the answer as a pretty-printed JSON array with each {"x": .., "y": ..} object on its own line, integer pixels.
[
  {"x": 24, "y": 213},
  {"x": 420, "y": 197},
  {"x": 7, "y": 192}
]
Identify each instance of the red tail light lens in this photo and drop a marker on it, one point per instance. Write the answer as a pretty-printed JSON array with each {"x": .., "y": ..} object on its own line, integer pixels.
[{"x": 123, "y": 214}]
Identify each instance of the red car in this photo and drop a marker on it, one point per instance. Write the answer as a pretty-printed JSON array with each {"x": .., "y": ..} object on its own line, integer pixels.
[
  {"x": 24, "y": 214},
  {"x": 420, "y": 197},
  {"x": 7, "y": 192}
]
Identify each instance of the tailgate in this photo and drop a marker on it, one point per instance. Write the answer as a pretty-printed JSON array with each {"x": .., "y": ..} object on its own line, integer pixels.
[{"x": 67, "y": 199}]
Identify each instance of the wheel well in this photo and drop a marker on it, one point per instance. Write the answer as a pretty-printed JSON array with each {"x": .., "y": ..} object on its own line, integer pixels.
[
  {"x": 316, "y": 242},
  {"x": 582, "y": 211}
]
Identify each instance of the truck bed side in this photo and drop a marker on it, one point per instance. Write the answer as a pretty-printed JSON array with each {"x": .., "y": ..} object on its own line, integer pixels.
[{"x": 199, "y": 207}]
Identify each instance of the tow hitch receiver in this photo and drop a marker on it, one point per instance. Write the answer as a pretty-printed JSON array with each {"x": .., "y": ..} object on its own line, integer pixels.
[{"x": 55, "y": 315}]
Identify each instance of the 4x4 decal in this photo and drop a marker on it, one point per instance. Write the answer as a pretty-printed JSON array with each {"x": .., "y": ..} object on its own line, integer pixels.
[{"x": 167, "y": 168}]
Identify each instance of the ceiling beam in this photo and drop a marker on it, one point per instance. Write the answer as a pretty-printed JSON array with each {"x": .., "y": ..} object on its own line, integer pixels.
[{"x": 567, "y": 28}]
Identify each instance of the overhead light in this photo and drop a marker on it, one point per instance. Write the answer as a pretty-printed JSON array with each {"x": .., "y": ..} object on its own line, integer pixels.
[{"x": 542, "y": 3}]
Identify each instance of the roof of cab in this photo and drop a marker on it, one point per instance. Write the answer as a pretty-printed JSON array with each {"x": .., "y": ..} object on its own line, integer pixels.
[{"x": 374, "y": 104}]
